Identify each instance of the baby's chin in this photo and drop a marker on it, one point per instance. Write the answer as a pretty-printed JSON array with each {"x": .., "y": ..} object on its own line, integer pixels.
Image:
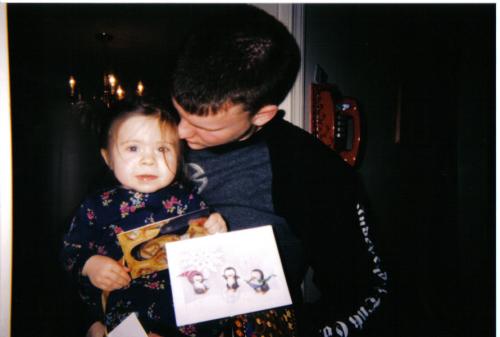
[{"x": 144, "y": 190}]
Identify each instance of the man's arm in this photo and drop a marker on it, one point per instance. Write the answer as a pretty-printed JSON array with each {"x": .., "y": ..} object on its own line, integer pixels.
[
  {"x": 347, "y": 268},
  {"x": 322, "y": 200}
]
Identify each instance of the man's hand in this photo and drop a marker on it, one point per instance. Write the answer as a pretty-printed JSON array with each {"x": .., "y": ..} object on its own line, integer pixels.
[
  {"x": 106, "y": 273},
  {"x": 215, "y": 224}
]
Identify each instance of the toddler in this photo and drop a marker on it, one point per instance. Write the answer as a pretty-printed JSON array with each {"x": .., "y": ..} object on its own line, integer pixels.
[{"x": 141, "y": 147}]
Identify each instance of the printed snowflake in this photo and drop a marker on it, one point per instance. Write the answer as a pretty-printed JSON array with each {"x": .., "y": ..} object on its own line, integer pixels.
[{"x": 205, "y": 261}]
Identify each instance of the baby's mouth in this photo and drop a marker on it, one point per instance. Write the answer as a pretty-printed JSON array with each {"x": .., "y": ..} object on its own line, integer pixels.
[{"x": 146, "y": 177}]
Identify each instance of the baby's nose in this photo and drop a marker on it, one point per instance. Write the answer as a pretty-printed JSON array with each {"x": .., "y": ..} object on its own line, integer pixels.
[{"x": 147, "y": 158}]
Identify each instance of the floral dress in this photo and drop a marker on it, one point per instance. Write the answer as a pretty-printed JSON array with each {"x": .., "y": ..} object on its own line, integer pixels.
[{"x": 94, "y": 230}]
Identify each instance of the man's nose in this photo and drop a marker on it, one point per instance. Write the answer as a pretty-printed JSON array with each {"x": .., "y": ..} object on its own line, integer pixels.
[{"x": 184, "y": 129}]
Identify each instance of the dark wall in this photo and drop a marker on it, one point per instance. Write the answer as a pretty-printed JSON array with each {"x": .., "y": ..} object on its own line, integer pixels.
[{"x": 432, "y": 192}]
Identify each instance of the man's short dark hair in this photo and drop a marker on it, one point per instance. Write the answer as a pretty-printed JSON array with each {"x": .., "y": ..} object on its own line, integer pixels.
[{"x": 240, "y": 55}]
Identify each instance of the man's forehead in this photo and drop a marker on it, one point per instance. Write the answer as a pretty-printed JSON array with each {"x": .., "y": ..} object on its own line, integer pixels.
[
  {"x": 225, "y": 108},
  {"x": 226, "y": 114}
]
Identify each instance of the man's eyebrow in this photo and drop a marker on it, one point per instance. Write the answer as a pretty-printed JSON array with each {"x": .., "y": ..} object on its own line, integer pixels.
[
  {"x": 210, "y": 129},
  {"x": 200, "y": 126}
]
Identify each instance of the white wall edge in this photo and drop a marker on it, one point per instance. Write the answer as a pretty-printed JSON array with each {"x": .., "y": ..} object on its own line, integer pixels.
[
  {"x": 292, "y": 16},
  {"x": 297, "y": 111},
  {"x": 5, "y": 181}
]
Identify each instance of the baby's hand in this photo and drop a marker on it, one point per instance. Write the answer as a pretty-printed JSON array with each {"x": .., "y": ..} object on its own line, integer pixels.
[
  {"x": 215, "y": 224},
  {"x": 106, "y": 273},
  {"x": 96, "y": 330}
]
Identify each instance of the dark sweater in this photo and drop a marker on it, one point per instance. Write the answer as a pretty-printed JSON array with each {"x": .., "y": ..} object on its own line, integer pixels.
[{"x": 315, "y": 203}]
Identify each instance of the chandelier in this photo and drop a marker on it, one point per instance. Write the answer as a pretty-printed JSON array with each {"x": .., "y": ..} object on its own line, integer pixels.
[{"x": 112, "y": 89}]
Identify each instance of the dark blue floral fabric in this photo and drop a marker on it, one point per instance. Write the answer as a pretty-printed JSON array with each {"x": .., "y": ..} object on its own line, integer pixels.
[{"x": 93, "y": 231}]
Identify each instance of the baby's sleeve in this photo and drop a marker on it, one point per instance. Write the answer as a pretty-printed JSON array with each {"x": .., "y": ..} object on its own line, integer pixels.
[
  {"x": 78, "y": 241},
  {"x": 78, "y": 246}
]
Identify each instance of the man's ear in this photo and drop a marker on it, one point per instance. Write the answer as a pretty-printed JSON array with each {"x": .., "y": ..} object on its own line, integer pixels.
[
  {"x": 107, "y": 159},
  {"x": 264, "y": 115}
]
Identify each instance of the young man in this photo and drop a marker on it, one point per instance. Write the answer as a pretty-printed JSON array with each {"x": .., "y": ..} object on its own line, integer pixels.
[{"x": 255, "y": 168}]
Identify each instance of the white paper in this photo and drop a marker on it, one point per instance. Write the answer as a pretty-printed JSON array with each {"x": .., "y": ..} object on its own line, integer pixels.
[
  {"x": 197, "y": 268},
  {"x": 129, "y": 327}
]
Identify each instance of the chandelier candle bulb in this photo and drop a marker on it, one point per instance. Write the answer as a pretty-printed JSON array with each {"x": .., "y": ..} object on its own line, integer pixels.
[
  {"x": 112, "y": 83},
  {"x": 72, "y": 84},
  {"x": 140, "y": 88},
  {"x": 120, "y": 93}
]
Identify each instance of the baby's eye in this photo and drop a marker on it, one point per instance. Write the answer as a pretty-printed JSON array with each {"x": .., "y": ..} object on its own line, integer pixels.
[
  {"x": 163, "y": 149},
  {"x": 132, "y": 148}
]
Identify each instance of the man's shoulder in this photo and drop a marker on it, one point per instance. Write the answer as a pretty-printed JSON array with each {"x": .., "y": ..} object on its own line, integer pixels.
[
  {"x": 282, "y": 131},
  {"x": 289, "y": 143},
  {"x": 290, "y": 137}
]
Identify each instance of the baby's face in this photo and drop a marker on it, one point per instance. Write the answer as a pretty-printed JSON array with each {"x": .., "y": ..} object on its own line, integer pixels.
[{"x": 143, "y": 158}]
